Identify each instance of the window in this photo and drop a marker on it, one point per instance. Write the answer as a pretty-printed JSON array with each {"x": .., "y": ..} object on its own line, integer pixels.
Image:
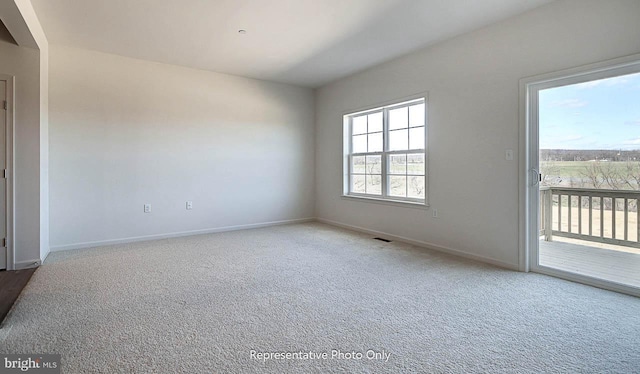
[{"x": 386, "y": 152}]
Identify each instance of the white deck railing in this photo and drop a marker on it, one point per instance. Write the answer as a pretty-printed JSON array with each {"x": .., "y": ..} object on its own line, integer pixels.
[{"x": 590, "y": 214}]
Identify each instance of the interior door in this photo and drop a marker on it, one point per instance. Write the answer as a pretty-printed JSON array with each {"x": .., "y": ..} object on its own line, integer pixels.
[{"x": 3, "y": 181}]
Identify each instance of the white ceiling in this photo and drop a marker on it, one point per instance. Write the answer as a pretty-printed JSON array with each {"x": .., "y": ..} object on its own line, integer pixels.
[{"x": 303, "y": 42}]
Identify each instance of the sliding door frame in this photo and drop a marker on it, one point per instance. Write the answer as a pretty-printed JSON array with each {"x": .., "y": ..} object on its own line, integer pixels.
[{"x": 529, "y": 194}]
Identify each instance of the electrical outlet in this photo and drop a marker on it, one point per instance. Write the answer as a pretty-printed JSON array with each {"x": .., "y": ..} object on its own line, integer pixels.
[
  {"x": 189, "y": 205},
  {"x": 147, "y": 208},
  {"x": 435, "y": 213}
]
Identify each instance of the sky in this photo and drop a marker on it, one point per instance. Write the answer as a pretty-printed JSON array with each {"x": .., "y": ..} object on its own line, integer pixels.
[{"x": 601, "y": 114}]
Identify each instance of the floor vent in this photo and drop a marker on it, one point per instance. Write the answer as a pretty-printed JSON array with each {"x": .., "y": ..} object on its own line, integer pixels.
[{"x": 383, "y": 240}]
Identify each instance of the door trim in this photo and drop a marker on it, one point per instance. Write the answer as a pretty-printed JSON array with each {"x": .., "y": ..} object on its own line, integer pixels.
[
  {"x": 528, "y": 160},
  {"x": 10, "y": 121}
]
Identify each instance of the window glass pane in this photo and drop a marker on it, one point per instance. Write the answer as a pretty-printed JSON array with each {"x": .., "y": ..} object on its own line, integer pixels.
[
  {"x": 375, "y": 122},
  {"x": 415, "y": 163},
  {"x": 359, "y": 125},
  {"x": 416, "y": 115},
  {"x": 398, "y": 186},
  {"x": 358, "y": 183},
  {"x": 416, "y": 187},
  {"x": 398, "y": 118},
  {"x": 375, "y": 142},
  {"x": 398, "y": 140},
  {"x": 398, "y": 164},
  {"x": 416, "y": 138},
  {"x": 374, "y": 164},
  {"x": 360, "y": 144},
  {"x": 374, "y": 185},
  {"x": 358, "y": 165}
]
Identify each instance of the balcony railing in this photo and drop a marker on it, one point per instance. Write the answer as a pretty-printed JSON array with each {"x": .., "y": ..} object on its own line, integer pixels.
[{"x": 605, "y": 216}]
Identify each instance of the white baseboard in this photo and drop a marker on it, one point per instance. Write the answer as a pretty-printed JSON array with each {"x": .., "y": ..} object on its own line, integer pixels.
[
  {"x": 44, "y": 258},
  {"x": 133, "y": 239},
  {"x": 419, "y": 243},
  {"x": 423, "y": 244},
  {"x": 27, "y": 264}
]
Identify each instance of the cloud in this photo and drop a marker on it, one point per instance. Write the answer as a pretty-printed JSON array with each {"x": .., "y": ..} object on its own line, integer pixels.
[
  {"x": 607, "y": 82},
  {"x": 569, "y": 103},
  {"x": 633, "y": 123},
  {"x": 573, "y": 138},
  {"x": 635, "y": 141}
]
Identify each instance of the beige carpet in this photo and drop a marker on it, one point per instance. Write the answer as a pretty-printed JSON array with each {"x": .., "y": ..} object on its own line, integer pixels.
[{"x": 202, "y": 304}]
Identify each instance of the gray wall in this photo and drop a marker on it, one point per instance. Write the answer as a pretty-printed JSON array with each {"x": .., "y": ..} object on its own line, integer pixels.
[
  {"x": 472, "y": 82},
  {"x": 126, "y": 132}
]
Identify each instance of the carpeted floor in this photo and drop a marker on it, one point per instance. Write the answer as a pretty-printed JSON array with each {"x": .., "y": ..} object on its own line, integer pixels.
[{"x": 202, "y": 304}]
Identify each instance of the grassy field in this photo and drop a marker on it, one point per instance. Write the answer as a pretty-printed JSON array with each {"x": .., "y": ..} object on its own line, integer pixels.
[
  {"x": 614, "y": 175},
  {"x": 579, "y": 168}
]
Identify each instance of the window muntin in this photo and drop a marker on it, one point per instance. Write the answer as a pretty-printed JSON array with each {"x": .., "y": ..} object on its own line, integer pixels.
[{"x": 387, "y": 152}]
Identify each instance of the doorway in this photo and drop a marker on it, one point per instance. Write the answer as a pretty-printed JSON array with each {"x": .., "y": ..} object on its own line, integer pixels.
[
  {"x": 6, "y": 149},
  {"x": 583, "y": 180}
]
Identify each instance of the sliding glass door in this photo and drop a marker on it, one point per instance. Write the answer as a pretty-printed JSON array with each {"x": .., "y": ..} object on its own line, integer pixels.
[{"x": 584, "y": 176}]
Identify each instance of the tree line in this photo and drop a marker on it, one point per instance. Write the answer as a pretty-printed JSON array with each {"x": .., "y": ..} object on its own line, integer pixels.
[{"x": 589, "y": 155}]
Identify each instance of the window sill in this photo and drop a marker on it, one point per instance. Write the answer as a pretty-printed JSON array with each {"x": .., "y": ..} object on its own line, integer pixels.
[{"x": 398, "y": 203}]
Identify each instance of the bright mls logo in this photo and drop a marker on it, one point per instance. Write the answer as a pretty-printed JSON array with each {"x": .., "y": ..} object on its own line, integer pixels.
[{"x": 30, "y": 364}]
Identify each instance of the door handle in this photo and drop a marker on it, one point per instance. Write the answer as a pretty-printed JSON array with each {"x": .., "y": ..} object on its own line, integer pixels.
[{"x": 536, "y": 177}]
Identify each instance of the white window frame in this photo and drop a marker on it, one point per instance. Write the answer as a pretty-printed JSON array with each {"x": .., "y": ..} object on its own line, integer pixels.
[{"x": 384, "y": 198}]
